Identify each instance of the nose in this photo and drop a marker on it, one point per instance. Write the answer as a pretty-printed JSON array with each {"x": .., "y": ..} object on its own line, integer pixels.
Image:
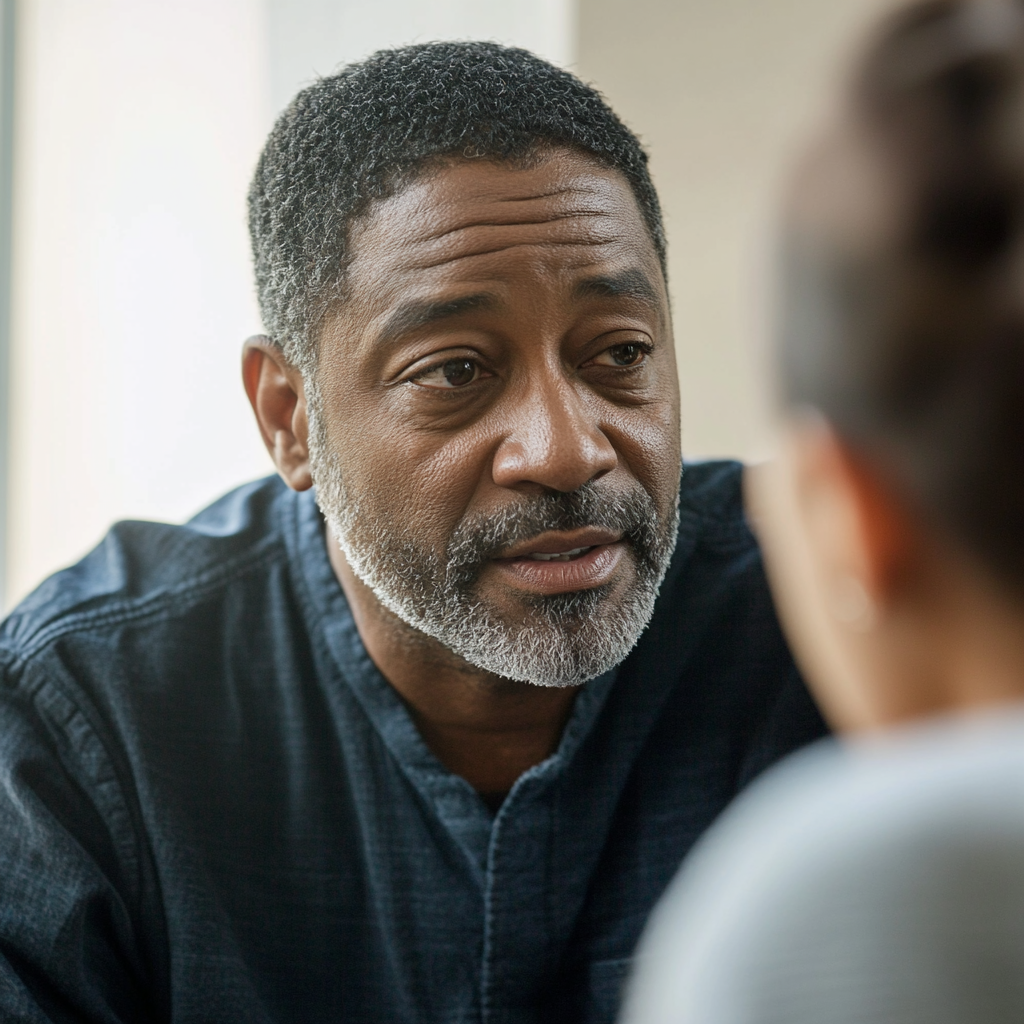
[{"x": 555, "y": 442}]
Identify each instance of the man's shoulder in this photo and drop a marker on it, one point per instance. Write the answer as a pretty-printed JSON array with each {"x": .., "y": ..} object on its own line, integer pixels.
[
  {"x": 715, "y": 638},
  {"x": 711, "y": 504},
  {"x": 140, "y": 568},
  {"x": 713, "y": 487},
  {"x": 714, "y": 539},
  {"x": 716, "y": 563}
]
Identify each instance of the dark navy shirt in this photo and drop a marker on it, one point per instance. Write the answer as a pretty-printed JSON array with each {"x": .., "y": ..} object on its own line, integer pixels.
[{"x": 214, "y": 808}]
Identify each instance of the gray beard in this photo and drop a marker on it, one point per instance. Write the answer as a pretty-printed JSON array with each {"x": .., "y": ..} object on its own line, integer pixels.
[{"x": 563, "y": 639}]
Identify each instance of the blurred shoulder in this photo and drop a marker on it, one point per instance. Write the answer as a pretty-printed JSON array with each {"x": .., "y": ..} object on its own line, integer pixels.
[
  {"x": 888, "y": 788},
  {"x": 849, "y": 876},
  {"x": 835, "y": 807}
]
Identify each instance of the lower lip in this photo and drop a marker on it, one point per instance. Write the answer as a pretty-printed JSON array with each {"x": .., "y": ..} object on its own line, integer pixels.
[{"x": 593, "y": 569}]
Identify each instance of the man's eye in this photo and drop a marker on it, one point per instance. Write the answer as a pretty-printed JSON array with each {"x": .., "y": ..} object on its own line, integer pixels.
[
  {"x": 630, "y": 353},
  {"x": 453, "y": 373}
]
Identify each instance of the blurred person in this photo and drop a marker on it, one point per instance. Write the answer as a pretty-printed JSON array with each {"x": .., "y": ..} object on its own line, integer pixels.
[
  {"x": 880, "y": 878},
  {"x": 428, "y": 744}
]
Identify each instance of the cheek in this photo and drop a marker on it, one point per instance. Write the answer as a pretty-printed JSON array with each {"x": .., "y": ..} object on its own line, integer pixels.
[
  {"x": 647, "y": 441},
  {"x": 421, "y": 481}
]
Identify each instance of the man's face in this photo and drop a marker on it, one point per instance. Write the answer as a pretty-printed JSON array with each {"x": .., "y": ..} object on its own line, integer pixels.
[{"x": 495, "y": 420}]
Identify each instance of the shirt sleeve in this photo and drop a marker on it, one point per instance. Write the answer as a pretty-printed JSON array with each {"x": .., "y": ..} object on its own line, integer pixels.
[{"x": 70, "y": 948}]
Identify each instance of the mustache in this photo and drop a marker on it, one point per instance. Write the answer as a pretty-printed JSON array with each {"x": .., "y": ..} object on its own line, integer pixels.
[{"x": 480, "y": 538}]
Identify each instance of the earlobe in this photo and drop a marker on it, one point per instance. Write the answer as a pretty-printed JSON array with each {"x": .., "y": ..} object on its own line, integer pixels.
[
  {"x": 278, "y": 399},
  {"x": 885, "y": 536},
  {"x": 860, "y": 532},
  {"x": 851, "y": 604}
]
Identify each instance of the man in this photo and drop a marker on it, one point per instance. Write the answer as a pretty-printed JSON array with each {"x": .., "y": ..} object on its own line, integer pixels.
[{"x": 392, "y": 762}]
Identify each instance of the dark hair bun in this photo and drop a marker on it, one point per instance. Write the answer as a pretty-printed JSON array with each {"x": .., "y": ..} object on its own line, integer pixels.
[{"x": 903, "y": 314}]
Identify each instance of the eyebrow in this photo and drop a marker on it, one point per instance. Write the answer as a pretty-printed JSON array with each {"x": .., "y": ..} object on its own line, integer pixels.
[
  {"x": 632, "y": 284},
  {"x": 411, "y": 316}
]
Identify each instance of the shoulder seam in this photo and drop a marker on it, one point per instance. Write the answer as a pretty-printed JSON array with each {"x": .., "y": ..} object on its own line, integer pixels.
[{"x": 117, "y": 611}]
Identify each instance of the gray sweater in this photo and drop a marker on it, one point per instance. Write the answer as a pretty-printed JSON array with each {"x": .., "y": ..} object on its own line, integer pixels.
[{"x": 879, "y": 882}]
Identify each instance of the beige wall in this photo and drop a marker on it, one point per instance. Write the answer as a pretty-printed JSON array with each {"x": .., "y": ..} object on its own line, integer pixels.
[
  {"x": 139, "y": 123},
  {"x": 721, "y": 91},
  {"x": 132, "y": 276}
]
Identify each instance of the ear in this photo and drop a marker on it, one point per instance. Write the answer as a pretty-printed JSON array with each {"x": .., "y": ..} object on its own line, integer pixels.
[
  {"x": 837, "y": 546},
  {"x": 278, "y": 398},
  {"x": 857, "y": 524}
]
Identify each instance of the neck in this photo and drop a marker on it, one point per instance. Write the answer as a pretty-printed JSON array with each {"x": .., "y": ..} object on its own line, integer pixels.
[
  {"x": 485, "y": 728},
  {"x": 985, "y": 652},
  {"x": 958, "y": 649}
]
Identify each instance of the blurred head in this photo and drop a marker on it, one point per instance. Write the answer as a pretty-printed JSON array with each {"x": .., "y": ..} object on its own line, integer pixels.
[
  {"x": 894, "y": 525},
  {"x": 460, "y": 263}
]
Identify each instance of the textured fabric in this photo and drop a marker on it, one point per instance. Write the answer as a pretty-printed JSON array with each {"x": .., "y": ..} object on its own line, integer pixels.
[
  {"x": 879, "y": 884},
  {"x": 214, "y": 808}
]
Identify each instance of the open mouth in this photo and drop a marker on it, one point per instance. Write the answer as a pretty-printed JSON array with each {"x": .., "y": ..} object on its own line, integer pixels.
[
  {"x": 558, "y": 556},
  {"x": 555, "y": 564}
]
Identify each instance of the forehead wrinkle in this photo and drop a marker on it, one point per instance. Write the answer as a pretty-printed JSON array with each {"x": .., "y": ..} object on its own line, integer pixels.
[
  {"x": 496, "y": 208},
  {"x": 565, "y": 191},
  {"x": 518, "y": 222},
  {"x": 547, "y": 243},
  {"x": 498, "y": 195},
  {"x": 479, "y": 241}
]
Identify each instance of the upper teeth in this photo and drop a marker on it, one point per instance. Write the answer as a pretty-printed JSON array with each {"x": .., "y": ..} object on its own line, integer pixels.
[{"x": 559, "y": 556}]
